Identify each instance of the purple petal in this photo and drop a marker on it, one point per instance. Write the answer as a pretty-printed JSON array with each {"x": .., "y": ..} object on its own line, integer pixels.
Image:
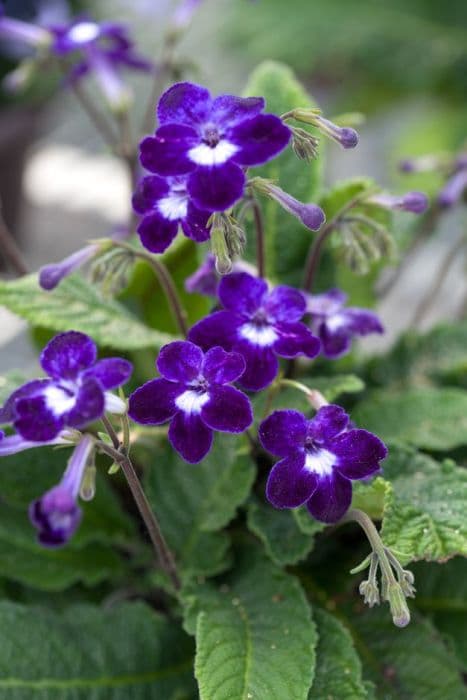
[
  {"x": 194, "y": 225},
  {"x": 453, "y": 189},
  {"x": 154, "y": 402},
  {"x": 332, "y": 498},
  {"x": 166, "y": 153},
  {"x": 184, "y": 103},
  {"x": 334, "y": 344},
  {"x": 361, "y": 321},
  {"x": 285, "y": 304},
  {"x": 204, "y": 280},
  {"x": 150, "y": 190},
  {"x": 242, "y": 293},
  {"x": 227, "y": 410},
  {"x": 190, "y": 437},
  {"x": 89, "y": 406},
  {"x": 229, "y": 110},
  {"x": 290, "y": 484},
  {"x": 259, "y": 139},
  {"x": 111, "y": 372},
  {"x": 295, "y": 339},
  {"x": 325, "y": 304},
  {"x": 329, "y": 422},
  {"x": 180, "y": 361},
  {"x": 359, "y": 453},
  {"x": 337, "y": 330},
  {"x": 219, "y": 328},
  {"x": 220, "y": 367},
  {"x": 35, "y": 421},
  {"x": 283, "y": 432},
  {"x": 157, "y": 233},
  {"x": 216, "y": 188},
  {"x": 32, "y": 388},
  {"x": 261, "y": 365},
  {"x": 68, "y": 354}
]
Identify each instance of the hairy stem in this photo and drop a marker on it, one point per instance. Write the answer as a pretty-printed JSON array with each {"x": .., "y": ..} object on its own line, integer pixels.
[
  {"x": 260, "y": 242},
  {"x": 165, "y": 556},
  {"x": 11, "y": 251}
]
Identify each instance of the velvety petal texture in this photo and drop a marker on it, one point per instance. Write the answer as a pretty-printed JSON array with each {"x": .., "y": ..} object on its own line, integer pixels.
[
  {"x": 195, "y": 396},
  {"x": 320, "y": 458},
  {"x": 73, "y": 396},
  {"x": 211, "y": 141},
  {"x": 337, "y": 325},
  {"x": 258, "y": 323}
]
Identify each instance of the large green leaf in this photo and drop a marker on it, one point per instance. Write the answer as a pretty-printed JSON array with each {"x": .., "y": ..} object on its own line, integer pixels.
[
  {"x": 287, "y": 240},
  {"x": 413, "y": 664},
  {"x": 338, "y": 668},
  {"x": 76, "y": 305},
  {"x": 86, "y": 653},
  {"x": 424, "y": 514},
  {"x": 254, "y": 634},
  {"x": 434, "y": 419},
  {"x": 442, "y": 594},
  {"x": 192, "y": 502},
  {"x": 278, "y": 530}
]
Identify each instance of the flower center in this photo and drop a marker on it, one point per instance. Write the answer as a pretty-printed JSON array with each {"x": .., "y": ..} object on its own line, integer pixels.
[
  {"x": 318, "y": 460},
  {"x": 175, "y": 206},
  {"x": 211, "y": 137},
  {"x": 60, "y": 398},
  {"x": 84, "y": 32},
  {"x": 192, "y": 401}
]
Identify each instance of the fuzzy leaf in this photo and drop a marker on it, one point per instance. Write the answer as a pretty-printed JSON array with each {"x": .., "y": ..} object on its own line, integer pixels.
[
  {"x": 278, "y": 530},
  {"x": 86, "y": 653},
  {"x": 413, "y": 664},
  {"x": 424, "y": 517},
  {"x": 435, "y": 419},
  {"x": 287, "y": 240},
  {"x": 192, "y": 501},
  {"x": 76, "y": 305},
  {"x": 338, "y": 667},
  {"x": 254, "y": 635}
]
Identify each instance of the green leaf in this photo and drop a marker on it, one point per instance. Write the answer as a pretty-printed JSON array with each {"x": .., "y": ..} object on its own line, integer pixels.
[
  {"x": 435, "y": 419},
  {"x": 413, "y": 664},
  {"x": 442, "y": 594},
  {"x": 440, "y": 355},
  {"x": 338, "y": 667},
  {"x": 371, "y": 497},
  {"x": 76, "y": 305},
  {"x": 192, "y": 502},
  {"x": 86, "y": 653},
  {"x": 254, "y": 635},
  {"x": 283, "y": 540},
  {"x": 287, "y": 240},
  {"x": 343, "y": 193},
  {"x": 424, "y": 517},
  {"x": 307, "y": 524}
]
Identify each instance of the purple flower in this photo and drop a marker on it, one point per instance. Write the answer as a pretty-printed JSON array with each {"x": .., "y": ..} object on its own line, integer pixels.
[
  {"x": 415, "y": 202},
  {"x": 205, "y": 280},
  {"x": 165, "y": 204},
  {"x": 211, "y": 141},
  {"x": 259, "y": 324},
  {"x": 75, "y": 394},
  {"x": 56, "y": 515},
  {"x": 194, "y": 396},
  {"x": 454, "y": 188},
  {"x": 335, "y": 325},
  {"x": 319, "y": 458},
  {"x": 104, "y": 48}
]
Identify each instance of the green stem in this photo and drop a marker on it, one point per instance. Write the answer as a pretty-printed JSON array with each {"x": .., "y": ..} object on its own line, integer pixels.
[
  {"x": 260, "y": 241},
  {"x": 11, "y": 251}
]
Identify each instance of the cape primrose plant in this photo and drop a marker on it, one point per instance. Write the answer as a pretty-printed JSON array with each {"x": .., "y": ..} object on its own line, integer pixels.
[{"x": 196, "y": 490}]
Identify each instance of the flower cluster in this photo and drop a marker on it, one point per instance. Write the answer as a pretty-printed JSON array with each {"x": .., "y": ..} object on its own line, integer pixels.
[{"x": 319, "y": 460}]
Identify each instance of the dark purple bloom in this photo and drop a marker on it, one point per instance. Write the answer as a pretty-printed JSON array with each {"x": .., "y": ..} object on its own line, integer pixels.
[
  {"x": 205, "y": 280},
  {"x": 259, "y": 324},
  {"x": 75, "y": 394},
  {"x": 210, "y": 141},
  {"x": 165, "y": 205},
  {"x": 415, "y": 202},
  {"x": 336, "y": 325},
  {"x": 56, "y": 514},
  {"x": 319, "y": 459},
  {"x": 193, "y": 394}
]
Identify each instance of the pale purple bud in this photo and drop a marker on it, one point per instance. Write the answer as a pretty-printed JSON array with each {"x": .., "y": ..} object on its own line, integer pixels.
[
  {"x": 30, "y": 34},
  {"x": 420, "y": 165},
  {"x": 115, "y": 91},
  {"x": 344, "y": 135},
  {"x": 51, "y": 275},
  {"x": 415, "y": 202},
  {"x": 453, "y": 189},
  {"x": 310, "y": 215},
  {"x": 56, "y": 515},
  {"x": 184, "y": 13},
  {"x": 12, "y": 444}
]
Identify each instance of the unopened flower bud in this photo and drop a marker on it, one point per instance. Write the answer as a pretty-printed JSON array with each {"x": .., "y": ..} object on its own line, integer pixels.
[
  {"x": 304, "y": 144},
  {"x": 369, "y": 591},
  {"x": 399, "y": 609},
  {"x": 310, "y": 215},
  {"x": 453, "y": 189},
  {"x": 415, "y": 202},
  {"x": 343, "y": 135},
  {"x": 219, "y": 248},
  {"x": 87, "y": 489}
]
